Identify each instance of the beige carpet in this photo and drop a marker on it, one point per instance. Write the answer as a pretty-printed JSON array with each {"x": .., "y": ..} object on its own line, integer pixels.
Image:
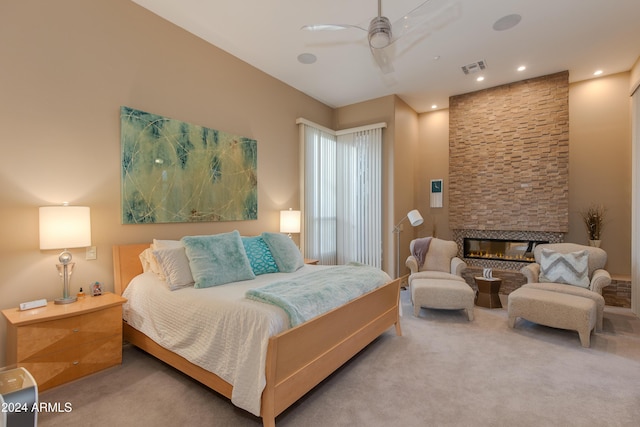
[{"x": 444, "y": 371}]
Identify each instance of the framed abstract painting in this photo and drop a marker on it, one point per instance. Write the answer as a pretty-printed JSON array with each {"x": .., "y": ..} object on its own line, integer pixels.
[{"x": 179, "y": 172}]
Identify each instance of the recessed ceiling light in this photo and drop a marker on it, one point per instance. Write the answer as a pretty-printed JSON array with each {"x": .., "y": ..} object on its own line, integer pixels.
[
  {"x": 479, "y": 79},
  {"x": 307, "y": 58},
  {"x": 507, "y": 22},
  {"x": 522, "y": 68},
  {"x": 597, "y": 73},
  {"x": 434, "y": 106}
]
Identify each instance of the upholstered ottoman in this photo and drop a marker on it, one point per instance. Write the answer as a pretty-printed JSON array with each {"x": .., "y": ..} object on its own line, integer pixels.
[
  {"x": 442, "y": 293},
  {"x": 577, "y": 291},
  {"x": 563, "y": 311}
]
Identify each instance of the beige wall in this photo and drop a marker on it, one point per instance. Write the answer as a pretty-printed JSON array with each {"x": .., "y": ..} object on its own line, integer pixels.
[
  {"x": 67, "y": 67},
  {"x": 634, "y": 81},
  {"x": 404, "y": 189},
  {"x": 599, "y": 162},
  {"x": 432, "y": 162},
  {"x": 635, "y": 187}
]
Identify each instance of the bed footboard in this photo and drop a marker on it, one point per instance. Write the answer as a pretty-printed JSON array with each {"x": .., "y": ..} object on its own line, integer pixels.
[{"x": 300, "y": 358}]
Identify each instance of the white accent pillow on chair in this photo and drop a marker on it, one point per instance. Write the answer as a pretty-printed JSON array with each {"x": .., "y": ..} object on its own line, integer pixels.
[{"x": 571, "y": 268}]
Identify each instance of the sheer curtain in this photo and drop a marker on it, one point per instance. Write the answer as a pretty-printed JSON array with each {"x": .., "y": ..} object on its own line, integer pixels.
[{"x": 342, "y": 194}]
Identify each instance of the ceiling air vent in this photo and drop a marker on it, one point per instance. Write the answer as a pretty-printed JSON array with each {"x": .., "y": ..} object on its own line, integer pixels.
[{"x": 474, "y": 67}]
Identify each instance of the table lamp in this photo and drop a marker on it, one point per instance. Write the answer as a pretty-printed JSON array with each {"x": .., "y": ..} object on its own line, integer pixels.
[
  {"x": 290, "y": 222},
  {"x": 65, "y": 227}
]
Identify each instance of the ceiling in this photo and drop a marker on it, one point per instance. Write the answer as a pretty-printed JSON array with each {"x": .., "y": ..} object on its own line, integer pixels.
[{"x": 580, "y": 36}]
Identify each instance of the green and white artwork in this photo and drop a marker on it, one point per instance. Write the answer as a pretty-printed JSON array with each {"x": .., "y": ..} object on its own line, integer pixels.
[{"x": 178, "y": 172}]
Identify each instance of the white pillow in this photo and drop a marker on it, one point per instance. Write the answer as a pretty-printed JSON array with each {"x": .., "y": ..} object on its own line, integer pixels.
[
  {"x": 175, "y": 268},
  {"x": 149, "y": 263},
  {"x": 166, "y": 244},
  {"x": 571, "y": 268}
]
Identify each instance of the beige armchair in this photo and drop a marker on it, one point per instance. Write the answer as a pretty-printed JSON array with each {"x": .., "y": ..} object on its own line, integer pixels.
[
  {"x": 598, "y": 277},
  {"x": 436, "y": 281},
  {"x": 440, "y": 261}
]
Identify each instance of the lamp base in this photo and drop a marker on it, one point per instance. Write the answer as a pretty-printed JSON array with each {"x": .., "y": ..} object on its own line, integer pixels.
[{"x": 66, "y": 300}]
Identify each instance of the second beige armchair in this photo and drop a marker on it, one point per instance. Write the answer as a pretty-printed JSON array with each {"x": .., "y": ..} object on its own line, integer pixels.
[{"x": 597, "y": 277}]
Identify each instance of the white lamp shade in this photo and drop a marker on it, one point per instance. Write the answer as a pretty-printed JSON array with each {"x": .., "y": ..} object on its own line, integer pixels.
[
  {"x": 415, "y": 218},
  {"x": 64, "y": 227},
  {"x": 290, "y": 221}
]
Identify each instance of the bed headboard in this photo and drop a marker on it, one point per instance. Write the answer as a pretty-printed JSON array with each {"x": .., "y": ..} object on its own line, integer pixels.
[{"x": 126, "y": 264}]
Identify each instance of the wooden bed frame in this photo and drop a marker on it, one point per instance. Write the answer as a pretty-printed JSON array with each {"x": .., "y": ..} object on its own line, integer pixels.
[{"x": 297, "y": 359}]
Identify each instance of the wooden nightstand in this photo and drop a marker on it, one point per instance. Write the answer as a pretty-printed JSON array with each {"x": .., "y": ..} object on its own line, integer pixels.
[
  {"x": 60, "y": 343},
  {"x": 311, "y": 261}
]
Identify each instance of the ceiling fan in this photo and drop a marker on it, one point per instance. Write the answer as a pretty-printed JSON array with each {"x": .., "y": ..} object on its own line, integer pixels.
[{"x": 381, "y": 34}]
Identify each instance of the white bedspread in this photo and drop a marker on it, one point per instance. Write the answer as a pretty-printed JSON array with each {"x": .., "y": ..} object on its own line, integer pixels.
[{"x": 215, "y": 328}]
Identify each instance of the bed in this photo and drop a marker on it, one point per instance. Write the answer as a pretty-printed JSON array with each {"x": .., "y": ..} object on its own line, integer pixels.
[{"x": 298, "y": 358}]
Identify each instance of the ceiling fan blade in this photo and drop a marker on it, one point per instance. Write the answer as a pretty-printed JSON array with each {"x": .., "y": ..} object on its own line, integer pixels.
[
  {"x": 429, "y": 16},
  {"x": 329, "y": 27},
  {"x": 383, "y": 60}
]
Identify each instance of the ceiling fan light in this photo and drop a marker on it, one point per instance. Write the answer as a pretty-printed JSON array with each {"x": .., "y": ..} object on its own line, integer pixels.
[
  {"x": 380, "y": 32},
  {"x": 379, "y": 40}
]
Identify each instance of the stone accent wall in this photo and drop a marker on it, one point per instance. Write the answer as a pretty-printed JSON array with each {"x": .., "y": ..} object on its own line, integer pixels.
[
  {"x": 509, "y": 157},
  {"x": 618, "y": 293}
]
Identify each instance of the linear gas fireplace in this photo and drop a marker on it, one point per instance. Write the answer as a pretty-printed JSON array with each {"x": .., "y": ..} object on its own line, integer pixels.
[{"x": 500, "y": 249}]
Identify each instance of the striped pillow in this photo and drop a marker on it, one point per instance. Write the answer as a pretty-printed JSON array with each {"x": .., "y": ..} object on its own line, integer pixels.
[{"x": 571, "y": 268}]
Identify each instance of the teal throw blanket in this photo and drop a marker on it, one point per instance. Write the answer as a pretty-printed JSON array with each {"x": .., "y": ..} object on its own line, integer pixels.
[{"x": 310, "y": 295}]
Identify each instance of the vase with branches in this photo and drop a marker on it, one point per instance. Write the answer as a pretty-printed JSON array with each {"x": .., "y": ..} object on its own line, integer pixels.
[{"x": 593, "y": 219}]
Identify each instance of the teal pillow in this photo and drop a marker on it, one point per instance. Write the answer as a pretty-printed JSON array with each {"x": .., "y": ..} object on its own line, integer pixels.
[
  {"x": 285, "y": 252},
  {"x": 259, "y": 255},
  {"x": 217, "y": 259}
]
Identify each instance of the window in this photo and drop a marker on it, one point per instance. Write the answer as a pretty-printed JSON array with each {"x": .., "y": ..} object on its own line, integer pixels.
[{"x": 342, "y": 194}]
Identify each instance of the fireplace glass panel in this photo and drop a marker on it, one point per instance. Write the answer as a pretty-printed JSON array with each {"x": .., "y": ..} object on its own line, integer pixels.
[{"x": 501, "y": 249}]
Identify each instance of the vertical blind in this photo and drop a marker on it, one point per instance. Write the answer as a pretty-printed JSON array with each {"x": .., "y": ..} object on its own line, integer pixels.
[
  {"x": 342, "y": 194},
  {"x": 319, "y": 208},
  {"x": 359, "y": 197}
]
